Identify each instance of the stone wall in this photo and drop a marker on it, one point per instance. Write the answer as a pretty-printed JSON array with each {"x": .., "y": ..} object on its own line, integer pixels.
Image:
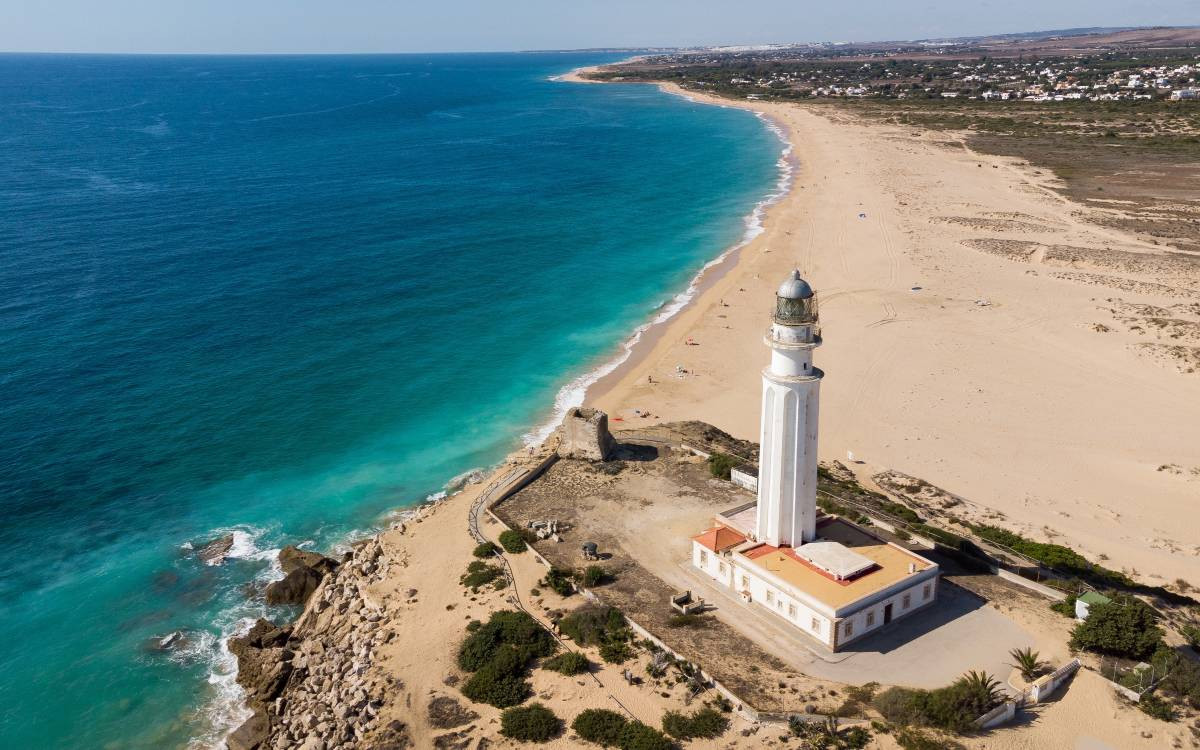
[{"x": 584, "y": 434}]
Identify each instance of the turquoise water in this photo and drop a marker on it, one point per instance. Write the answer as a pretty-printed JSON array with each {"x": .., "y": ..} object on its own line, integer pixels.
[{"x": 284, "y": 296}]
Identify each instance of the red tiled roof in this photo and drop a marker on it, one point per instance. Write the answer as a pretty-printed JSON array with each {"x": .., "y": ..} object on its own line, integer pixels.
[{"x": 719, "y": 538}]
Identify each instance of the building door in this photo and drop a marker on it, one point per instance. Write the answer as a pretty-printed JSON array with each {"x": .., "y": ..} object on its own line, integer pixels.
[{"x": 887, "y": 614}]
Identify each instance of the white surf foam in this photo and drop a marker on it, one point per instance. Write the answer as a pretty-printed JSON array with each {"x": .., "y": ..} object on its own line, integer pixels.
[{"x": 573, "y": 393}]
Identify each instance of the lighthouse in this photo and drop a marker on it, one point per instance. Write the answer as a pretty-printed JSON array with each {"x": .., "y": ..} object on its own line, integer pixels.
[{"x": 787, "y": 477}]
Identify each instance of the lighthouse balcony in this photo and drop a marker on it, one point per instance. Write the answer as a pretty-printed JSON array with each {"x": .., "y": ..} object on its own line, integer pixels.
[
  {"x": 775, "y": 341},
  {"x": 814, "y": 373}
]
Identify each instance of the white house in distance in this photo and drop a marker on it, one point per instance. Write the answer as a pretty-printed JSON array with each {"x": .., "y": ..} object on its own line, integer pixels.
[{"x": 833, "y": 580}]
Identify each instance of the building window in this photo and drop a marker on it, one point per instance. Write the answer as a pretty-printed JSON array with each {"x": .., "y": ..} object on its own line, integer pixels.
[
  {"x": 703, "y": 557},
  {"x": 849, "y": 628},
  {"x": 792, "y": 611},
  {"x": 770, "y": 596},
  {"x": 745, "y": 582},
  {"x": 721, "y": 567},
  {"x": 928, "y": 590},
  {"x": 870, "y": 619},
  {"x": 816, "y": 625},
  {"x": 905, "y": 601}
]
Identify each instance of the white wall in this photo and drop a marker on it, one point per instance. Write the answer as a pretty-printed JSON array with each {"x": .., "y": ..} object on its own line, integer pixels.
[
  {"x": 803, "y": 618},
  {"x": 711, "y": 563},
  {"x": 858, "y": 619}
]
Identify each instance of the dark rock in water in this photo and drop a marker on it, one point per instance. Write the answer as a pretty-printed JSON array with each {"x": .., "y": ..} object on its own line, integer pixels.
[
  {"x": 264, "y": 661},
  {"x": 164, "y": 580},
  {"x": 293, "y": 558},
  {"x": 250, "y": 735},
  {"x": 295, "y": 587},
  {"x": 215, "y": 552},
  {"x": 303, "y": 573}
]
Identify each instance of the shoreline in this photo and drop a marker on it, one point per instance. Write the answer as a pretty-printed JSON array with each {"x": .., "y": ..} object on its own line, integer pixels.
[{"x": 633, "y": 351}]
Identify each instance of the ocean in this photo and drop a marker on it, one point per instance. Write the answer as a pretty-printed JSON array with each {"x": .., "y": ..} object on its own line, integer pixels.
[{"x": 286, "y": 298}]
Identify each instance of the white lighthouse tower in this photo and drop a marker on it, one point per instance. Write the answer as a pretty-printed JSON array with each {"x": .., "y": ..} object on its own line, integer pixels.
[{"x": 787, "y": 476}]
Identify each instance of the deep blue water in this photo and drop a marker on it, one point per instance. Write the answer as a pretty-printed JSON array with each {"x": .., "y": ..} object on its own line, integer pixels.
[{"x": 284, "y": 296}]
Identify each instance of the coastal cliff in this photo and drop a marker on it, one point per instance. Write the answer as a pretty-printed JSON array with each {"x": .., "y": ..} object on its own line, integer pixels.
[{"x": 310, "y": 684}]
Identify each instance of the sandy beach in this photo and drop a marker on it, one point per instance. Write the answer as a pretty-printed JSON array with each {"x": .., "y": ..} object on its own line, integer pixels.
[{"x": 964, "y": 342}]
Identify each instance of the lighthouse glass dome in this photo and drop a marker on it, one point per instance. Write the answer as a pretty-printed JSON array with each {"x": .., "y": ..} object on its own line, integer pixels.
[{"x": 790, "y": 311}]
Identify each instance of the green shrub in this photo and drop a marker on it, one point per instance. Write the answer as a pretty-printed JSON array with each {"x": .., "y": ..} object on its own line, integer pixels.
[
  {"x": 899, "y": 510},
  {"x": 1179, "y": 675},
  {"x": 594, "y": 575},
  {"x": 559, "y": 581},
  {"x": 532, "y": 723},
  {"x": 687, "y": 621},
  {"x": 637, "y": 736},
  {"x": 568, "y": 663},
  {"x": 1066, "y": 607},
  {"x": 506, "y": 627},
  {"x": 1152, "y": 705},
  {"x": 1192, "y": 634},
  {"x": 706, "y": 723},
  {"x": 600, "y": 725},
  {"x": 487, "y": 549},
  {"x": 499, "y": 652},
  {"x": 616, "y": 652},
  {"x": 825, "y": 734},
  {"x": 480, "y": 573},
  {"x": 1125, "y": 627},
  {"x": 721, "y": 464},
  {"x": 513, "y": 541},
  {"x": 1056, "y": 556},
  {"x": 954, "y": 707},
  {"x": 592, "y": 625}
]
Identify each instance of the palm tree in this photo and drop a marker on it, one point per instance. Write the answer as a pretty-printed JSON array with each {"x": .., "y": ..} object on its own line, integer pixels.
[
  {"x": 983, "y": 691},
  {"x": 1026, "y": 661}
]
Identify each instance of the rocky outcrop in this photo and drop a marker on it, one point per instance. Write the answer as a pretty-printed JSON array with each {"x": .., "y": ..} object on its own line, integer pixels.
[
  {"x": 312, "y": 682},
  {"x": 303, "y": 572},
  {"x": 214, "y": 552}
]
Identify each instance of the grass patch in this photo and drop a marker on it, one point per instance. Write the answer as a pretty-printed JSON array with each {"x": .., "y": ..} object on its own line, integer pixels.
[{"x": 568, "y": 663}]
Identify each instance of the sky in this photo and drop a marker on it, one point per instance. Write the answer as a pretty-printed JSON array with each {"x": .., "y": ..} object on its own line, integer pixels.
[{"x": 285, "y": 26}]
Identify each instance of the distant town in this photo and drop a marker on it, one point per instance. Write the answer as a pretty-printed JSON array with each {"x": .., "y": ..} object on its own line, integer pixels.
[
  {"x": 1085, "y": 67},
  {"x": 1108, "y": 77}
]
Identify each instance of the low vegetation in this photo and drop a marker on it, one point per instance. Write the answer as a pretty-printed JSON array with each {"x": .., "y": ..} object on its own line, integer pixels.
[
  {"x": 722, "y": 464},
  {"x": 598, "y": 625},
  {"x": 559, "y": 581},
  {"x": 611, "y": 729},
  {"x": 568, "y": 663},
  {"x": 498, "y": 654},
  {"x": 1125, "y": 627},
  {"x": 487, "y": 549},
  {"x": 599, "y": 725},
  {"x": 594, "y": 575},
  {"x": 532, "y": 723},
  {"x": 705, "y": 723},
  {"x": 827, "y": 735},
  {"x": 513, "y": 541},
  {"x": 480, "y": 573},
  {"x": 954, "y": 707}
]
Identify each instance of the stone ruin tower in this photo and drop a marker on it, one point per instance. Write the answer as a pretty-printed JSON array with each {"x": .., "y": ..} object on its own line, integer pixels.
[{"x": 584, "y": 434}]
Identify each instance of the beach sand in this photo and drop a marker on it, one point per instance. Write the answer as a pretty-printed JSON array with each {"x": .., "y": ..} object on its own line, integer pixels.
[{"x": 996, "y": 373}]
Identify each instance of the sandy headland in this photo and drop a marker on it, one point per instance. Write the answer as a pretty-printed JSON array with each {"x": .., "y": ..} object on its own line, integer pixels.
[{"x": 980, "y": 332}]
